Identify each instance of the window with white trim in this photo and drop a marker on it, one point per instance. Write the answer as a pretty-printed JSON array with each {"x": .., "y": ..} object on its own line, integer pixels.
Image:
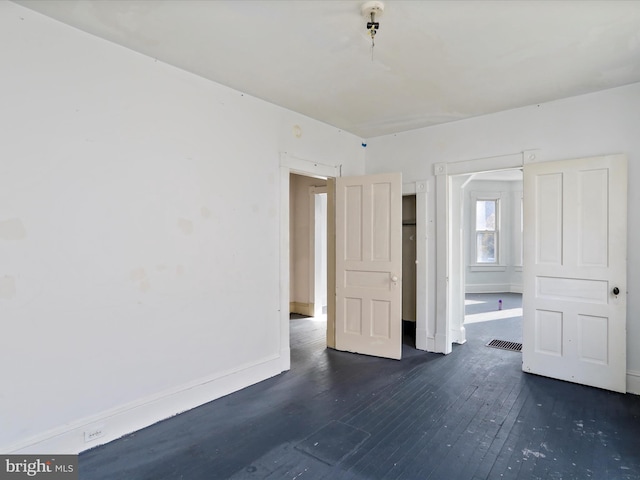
[{"x": 487, "y": 229}]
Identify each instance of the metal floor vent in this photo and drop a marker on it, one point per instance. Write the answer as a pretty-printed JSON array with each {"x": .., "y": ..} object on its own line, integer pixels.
[{"x": 504, "y": 345}]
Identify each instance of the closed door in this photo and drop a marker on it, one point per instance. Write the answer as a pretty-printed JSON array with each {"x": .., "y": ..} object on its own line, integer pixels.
[{"x": 575, "y": 270}]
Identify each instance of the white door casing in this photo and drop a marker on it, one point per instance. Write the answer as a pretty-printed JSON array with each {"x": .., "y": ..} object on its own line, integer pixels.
[
  {"x": 369, "y": 264},
  {"x": 575, "y": 251}
]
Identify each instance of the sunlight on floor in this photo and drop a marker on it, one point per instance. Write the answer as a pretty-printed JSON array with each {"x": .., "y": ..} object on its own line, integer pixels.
[
  {"x": 473, "y": 302},
  {"x": 497, "y": 315}
]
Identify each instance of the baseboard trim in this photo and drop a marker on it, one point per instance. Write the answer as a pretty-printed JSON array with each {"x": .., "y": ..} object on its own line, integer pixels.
[
  {"x": 424, "y": 341},
  {"x": 307, "y": 309},
  {"x": 441, "y": 344},
  {"x": 494, "y": 288},
  {"x": 459, "y": 335},
  {"x": 633, "y": 382},
  {"x": 129, "y": 418}
]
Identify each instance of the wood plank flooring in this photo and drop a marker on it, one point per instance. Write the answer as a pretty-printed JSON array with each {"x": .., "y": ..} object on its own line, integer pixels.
[{"x": 469, "y": 415}]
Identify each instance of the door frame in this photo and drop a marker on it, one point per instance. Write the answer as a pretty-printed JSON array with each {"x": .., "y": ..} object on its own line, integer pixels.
[
  {"x": 450, "y": 289},
  {"x": 289, "y": 164},
  {"x": 317, "y": 240}
]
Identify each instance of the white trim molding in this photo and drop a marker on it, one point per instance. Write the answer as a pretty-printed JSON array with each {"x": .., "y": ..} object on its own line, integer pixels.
[
  {"x": 443, "y": 173},
  {"x": 120, "y": 421},
  {"x": 300, "y": 308},
  {"x": 493, "y": 288},
  {"x": 633, "y": 382},
  {"x": 308, "y": 167},
  {"x": 424, "y": 337},
  {"x": 487, "y": 268}
]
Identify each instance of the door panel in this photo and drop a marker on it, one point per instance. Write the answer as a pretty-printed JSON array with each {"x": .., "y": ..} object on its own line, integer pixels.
[
  {"x": 369, "y": 265},
  {"x": 575, "y": 254}
]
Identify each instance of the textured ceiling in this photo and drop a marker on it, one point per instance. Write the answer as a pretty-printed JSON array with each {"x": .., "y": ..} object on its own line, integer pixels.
[{"x": 434, "y": 61}]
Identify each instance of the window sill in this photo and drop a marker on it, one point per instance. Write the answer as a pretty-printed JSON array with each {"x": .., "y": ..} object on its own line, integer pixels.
[{"x": 488, "y": 268}]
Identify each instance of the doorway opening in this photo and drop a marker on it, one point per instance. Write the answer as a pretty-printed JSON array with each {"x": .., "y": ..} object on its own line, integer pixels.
[
  {"x": 486, "y": 254},
  {"x": 307, "y": 263},
  {"x": 308, "y": 245},
  {"x": 393, "y": 188}
]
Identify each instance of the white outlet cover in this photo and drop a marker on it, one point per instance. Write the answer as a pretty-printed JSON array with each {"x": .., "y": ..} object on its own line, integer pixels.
[{"x": 93, "y": 433}]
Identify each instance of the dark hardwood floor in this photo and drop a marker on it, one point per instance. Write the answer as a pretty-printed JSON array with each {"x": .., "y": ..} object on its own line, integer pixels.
[{"x": 469, "y": 415}]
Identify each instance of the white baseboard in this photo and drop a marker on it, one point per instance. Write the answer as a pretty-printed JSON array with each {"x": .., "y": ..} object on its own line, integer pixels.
[
  {"x": 441, "y": 344},
  {"x": 459, "y": 335},
  {"x": 493, "y": 288},
  {"x": 120, "y": 421},
  {"x": 424, "y": 341},
  {"x": 633, "y": 382},
  {"x": 307, "y": 309}
]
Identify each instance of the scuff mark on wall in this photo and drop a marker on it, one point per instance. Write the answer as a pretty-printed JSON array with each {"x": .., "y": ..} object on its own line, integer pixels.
[
  {"x": 7, "y": 287},
  {"x": 206, "y": 213},
  {"x": 186, "y": 226},
  {"x": 139, "y": 276},
  {"x": 12, "y": 229}
]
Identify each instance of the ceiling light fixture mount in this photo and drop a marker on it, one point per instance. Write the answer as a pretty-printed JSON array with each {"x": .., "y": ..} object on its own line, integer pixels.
[{"x": 370, "y": 10}]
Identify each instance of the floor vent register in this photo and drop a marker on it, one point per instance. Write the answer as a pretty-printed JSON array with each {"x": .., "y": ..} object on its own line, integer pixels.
[{"x": 505, "y": 345}]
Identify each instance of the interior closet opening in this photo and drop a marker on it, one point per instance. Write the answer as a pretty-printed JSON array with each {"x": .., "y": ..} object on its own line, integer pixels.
[{"x": 409, "y": 254}]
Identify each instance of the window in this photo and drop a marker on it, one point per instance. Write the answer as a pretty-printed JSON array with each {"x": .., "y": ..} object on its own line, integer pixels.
[{"x": 486, "y": 231}]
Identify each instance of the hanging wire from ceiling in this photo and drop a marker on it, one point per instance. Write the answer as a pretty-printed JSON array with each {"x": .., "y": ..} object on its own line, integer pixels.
[{"x": 369, "y": 11}]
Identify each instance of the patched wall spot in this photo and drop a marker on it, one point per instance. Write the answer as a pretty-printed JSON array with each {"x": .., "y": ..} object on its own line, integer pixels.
[
  {"x": 206, "y": 213},
  {"x": 12, "y": 229},
  {"x": 138, "y": 274},
  {"x": 7, "y": 287},
  {"x": 186, "y": 226},
  {"x": 145, "y": 285}
]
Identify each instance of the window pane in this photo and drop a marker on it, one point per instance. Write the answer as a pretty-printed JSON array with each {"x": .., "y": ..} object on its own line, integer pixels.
[
  {"x": 486, "y": 247},
  {"x": 485, "y": 215}
]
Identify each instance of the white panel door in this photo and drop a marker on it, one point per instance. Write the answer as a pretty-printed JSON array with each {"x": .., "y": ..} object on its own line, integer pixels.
[
  {"x": 575, "y": 254},
  {"x": 369, "y": 265}
]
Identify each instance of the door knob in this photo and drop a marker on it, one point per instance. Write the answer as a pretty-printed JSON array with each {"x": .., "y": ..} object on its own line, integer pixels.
[
  {"x": 615, "y": 291},
  {"x": 394, "y": 279}
]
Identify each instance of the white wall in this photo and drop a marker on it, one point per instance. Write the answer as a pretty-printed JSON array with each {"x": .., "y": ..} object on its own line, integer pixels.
[
  {"x": 588, "y": 125},
  {"x": 139, "y": 235},
  {"x": 507, "y": 275}
]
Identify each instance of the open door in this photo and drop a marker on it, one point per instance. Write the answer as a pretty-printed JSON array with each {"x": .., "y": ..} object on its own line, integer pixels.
[
  {"x": 369, "y": 265},
  {"x": 575, "y": 270}
]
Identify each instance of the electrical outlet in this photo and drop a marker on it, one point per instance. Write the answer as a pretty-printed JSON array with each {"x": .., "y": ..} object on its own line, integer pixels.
[{"x": 94, "y": 433}]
